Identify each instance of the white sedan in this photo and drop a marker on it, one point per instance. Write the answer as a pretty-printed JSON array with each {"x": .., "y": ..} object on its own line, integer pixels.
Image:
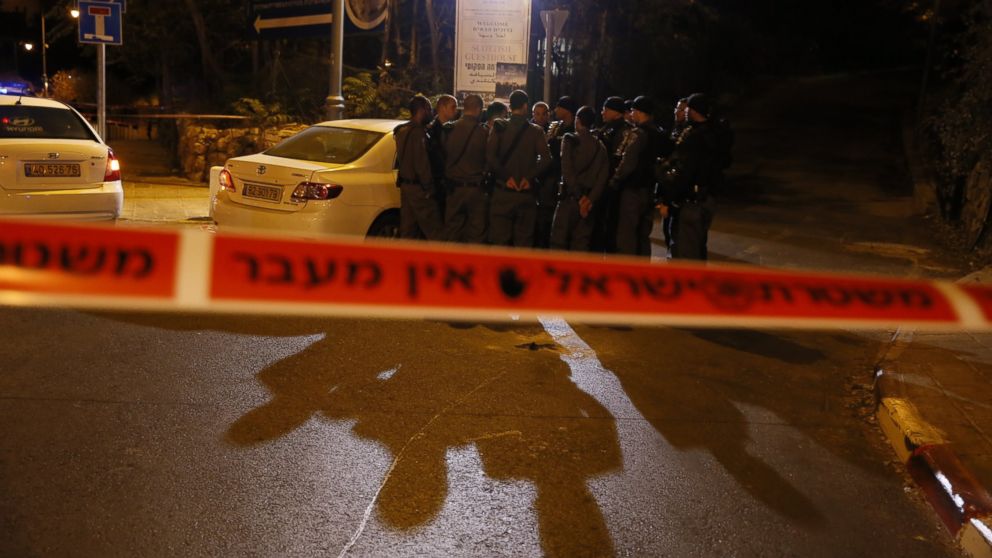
[
  {"x": 332, "y": 178},
  {"x": 53, "y": 164}
]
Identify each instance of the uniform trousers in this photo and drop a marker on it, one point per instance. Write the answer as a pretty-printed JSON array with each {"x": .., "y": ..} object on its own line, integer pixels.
[
  {"x": 634, "y": 221},
  {"x": 511, "y": 218},
  {"x": 571, "y": 231},
  {"x": 420, "y": 216},
  {"x": 466, "y": 214},
  {"x": 692, "y": 227}
]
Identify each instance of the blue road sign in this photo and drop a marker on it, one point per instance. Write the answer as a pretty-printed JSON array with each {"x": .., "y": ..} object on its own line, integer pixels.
[
  {"x": 123, "y": 4},
  {"x": 100, "y": 23}
]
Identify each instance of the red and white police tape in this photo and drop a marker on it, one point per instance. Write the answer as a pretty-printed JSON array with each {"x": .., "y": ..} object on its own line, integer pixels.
[{"x": 91, "y": 266}]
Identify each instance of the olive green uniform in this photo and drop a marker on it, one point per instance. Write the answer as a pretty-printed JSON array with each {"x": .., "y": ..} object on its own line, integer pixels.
[
  {"x": 466, "y": 212},
  {"x": 513, "y": 213},
  {"x": 420, "y": 215}
]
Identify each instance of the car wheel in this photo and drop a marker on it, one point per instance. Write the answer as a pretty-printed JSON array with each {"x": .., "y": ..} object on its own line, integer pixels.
[{"x": 386, "y": 225}]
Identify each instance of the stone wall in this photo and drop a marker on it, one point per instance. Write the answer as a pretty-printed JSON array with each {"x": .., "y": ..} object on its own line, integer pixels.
[{"x": 201, "y": 146}]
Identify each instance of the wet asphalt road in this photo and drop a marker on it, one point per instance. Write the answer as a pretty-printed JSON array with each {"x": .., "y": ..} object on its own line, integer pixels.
[
  {"x": 180, "y": 435},
  {"x": 173, "y": 435}
]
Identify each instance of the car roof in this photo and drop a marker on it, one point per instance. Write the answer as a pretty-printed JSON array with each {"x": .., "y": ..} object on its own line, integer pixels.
[
  {"x": 381, "y": 125},
  {"x": 9, "y": 100}
]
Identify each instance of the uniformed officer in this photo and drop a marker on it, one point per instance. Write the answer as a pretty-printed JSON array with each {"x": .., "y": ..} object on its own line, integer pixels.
[
  {"x": 548, "y": 189},
  {"x": 495, "y": 111},
  {"x": 628, "y": 114},
  {"x": 680, "y": 119},
  {"x": 541, "y": 115},
  {"x": 690, "y": 176},
  {"x": 466, "y": 211},
  {"x": 611, "y": 133},
  {"x": 635, "y": 179},
  {"x": 445, "y": 110},
  {"x": 680, "y": 122},
  {"x": 517, "y": 154},
  {"x": 585, "y": 171},
  {"x": 420, "y": 215}
]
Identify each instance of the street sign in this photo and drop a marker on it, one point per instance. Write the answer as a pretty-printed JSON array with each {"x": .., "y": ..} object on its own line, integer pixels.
[
  {"x": 554, "y": 21},
  {"x": 272, "y": 19},
  {"x": 100, "y": 23},
  {"x": 123, "y": 4}
]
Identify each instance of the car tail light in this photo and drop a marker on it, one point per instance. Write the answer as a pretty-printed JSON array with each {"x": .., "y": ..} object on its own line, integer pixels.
[
  {"x": 226, "y": 180},
  {"x": 317, "y": 191},
  {"x": 113, "y": 171}
]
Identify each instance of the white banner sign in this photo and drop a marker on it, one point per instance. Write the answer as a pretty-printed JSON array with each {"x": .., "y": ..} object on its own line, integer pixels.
[{"x": 488, "y": 32}]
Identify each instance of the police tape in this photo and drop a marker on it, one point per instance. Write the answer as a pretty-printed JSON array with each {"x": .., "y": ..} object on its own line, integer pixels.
[{"x": 107, "y": 267}]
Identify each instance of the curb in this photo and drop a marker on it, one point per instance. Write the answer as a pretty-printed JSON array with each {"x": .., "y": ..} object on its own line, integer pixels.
[{"x": 963, "y": 505}]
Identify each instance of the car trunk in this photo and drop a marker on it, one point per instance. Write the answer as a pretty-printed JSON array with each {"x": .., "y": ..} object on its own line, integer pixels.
[
  {"x": 268, "y": 182},
  {"x": 52, "y": 165}
]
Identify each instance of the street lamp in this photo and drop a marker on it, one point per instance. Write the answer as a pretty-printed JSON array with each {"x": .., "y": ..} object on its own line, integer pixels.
[{"x": 29, "y": 46}]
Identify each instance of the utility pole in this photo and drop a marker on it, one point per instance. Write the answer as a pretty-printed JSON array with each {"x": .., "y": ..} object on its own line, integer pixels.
[
  {"x": 44, "y": 55},
  {"x": 101, "y": 88},
  {"x": 334, "y": 104},
  {"x": 554, "y": 21}
]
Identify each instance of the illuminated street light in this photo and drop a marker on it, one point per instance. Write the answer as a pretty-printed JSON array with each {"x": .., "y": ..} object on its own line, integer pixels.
[
  {"x": 29, "y": 46},
  {"x": 74, "y": 13}
]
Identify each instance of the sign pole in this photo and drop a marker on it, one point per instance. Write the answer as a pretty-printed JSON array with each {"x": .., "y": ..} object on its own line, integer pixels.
[
  {"x": 553, "y": 21},
  {"x": 100, "y": 24},
  {"x": 548, "y": 41},
  {"x": 101, "y": 90},
  {"x": 334, "y": 103}
]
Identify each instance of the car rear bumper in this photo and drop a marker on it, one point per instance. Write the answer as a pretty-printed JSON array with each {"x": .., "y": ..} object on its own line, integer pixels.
[
  {"x": 316, "y": 218},
  {"x": 105, "y": 202}
]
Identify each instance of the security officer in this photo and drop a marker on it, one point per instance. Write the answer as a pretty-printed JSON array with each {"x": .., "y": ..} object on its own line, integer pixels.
[
  {"x": 690, "y": 176},
  {"x": 679, "y": 118},
  {"x": 635, "y": 179},
  {"x": 547, "y": 196},
  {"x": 680, "y": 123},
  {"x": 542, "y": 115},
  {"x": 585, "y": 171},
  {"x": 517, "y": 154},
  {"x": 420, "y": 215},
  {"x": 445, "y": 110},
  {"x": 495, "y": 111},
  {"x": 467, "y": 206},
  {"x": 611, "y": 133}
]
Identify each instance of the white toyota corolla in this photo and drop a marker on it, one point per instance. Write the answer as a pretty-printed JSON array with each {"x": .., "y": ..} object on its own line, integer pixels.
[
  {"x": 332, "y": 178},
  {"x": 53, "y": 164}
]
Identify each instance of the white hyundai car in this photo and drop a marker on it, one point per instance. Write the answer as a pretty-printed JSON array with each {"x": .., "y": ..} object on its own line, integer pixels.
[
  {"x": 53, "y": 164},
  {"x": 332, "y": 178}
]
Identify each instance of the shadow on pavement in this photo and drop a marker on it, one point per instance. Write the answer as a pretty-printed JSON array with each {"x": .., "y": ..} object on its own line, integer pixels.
[
  {"x": 760, "y": 343},
  {"x": 689, "y": 383},
  {"x": 525, "y": 416},
  {"x": 419, "y": 390}
]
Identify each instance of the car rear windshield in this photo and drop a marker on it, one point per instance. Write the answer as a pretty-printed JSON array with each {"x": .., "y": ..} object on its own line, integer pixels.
[
  {"x": 325, "y": 144},
  {"x": 20, "y": 121}
]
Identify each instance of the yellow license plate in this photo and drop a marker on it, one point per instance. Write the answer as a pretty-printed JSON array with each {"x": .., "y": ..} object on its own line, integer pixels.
[{"x": 33, "y": 170}]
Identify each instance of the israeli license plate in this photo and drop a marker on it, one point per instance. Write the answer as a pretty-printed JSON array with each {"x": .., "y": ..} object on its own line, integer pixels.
[
  {"x": 39, "y": 170},
  {"x": 260, "y": 192}
]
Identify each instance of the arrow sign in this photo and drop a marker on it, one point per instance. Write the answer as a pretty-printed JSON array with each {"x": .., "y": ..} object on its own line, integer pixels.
[
  {"x": 271, "y": 19},
  {"x": 297, "y": 21}
]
